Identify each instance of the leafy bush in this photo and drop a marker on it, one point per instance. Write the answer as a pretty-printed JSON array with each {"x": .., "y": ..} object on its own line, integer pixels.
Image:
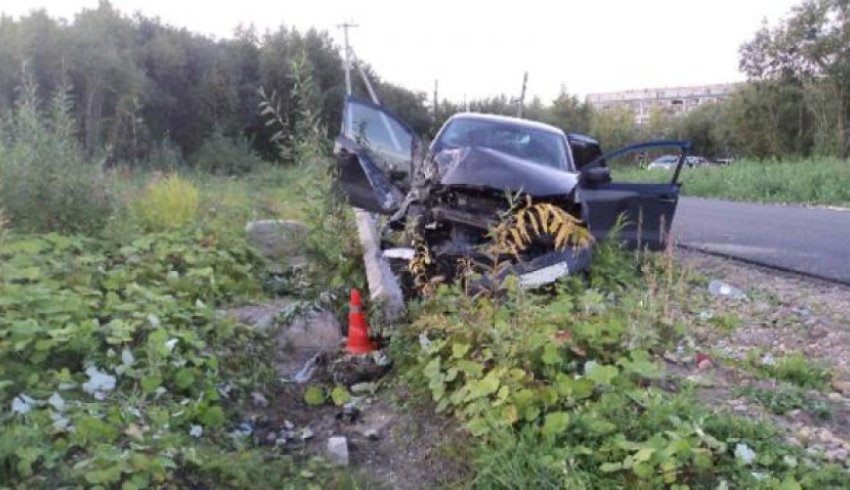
[
  {"x": 166, "y": 203},
  {"x": 166, "y": 156},
  {"x": 223, "y": 155},
  {"x": 46, "y": 184}
]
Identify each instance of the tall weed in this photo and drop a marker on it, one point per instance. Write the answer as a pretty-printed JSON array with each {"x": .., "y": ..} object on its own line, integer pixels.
[{"x": 166, "y": 203}]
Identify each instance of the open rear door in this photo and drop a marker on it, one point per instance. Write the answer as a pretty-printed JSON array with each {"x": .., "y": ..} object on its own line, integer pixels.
[
  {"x": 646, "y": 209},
  {"x": 374, "y": 156}
]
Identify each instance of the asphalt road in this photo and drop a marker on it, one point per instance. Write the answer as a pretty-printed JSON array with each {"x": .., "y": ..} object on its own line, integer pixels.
[{"x": 811, "y": 241}]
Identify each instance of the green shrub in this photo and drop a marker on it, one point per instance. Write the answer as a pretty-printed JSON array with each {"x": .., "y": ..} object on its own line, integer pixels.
[
  {"x": 166, "y": 156},
  {"x": 223, "y": 155},
  {"x": 166, "y": 203},
  {"x": 46, "y": 184},
  {"x": 798, "y": 369}
]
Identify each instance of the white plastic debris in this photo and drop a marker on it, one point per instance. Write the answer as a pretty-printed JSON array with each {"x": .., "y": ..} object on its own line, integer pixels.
[
  {"x": 22, "y": 404},
  {"x": 56, "y": 401},
  {"x": 424, "y": 341},
  {"x": 153, "y": 320},
  {"x": 720, "y": 288},
  {"x": 744, "y": 453},
  {"x": 99, "y": 384},
  {"x": 127, "y": 358},
  {"x": 170, "y": 344},
  {"x": 307, "y": 371},
  {"x": 306, "y": 433},
  {"x": 768, "y": 360},
  {"x": 338, "y": 451},
  {"x": 196, "y": 430},
  {"x": 60, "y": 422}
]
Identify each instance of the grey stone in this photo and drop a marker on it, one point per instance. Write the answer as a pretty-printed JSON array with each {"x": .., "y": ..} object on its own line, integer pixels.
[
  {"x": 259, "y": 399},
  {"x": 317, "y": 331},
  {"x": 279, "y": 240},
  {"x": 720, "y": 288},
  {"x": 261, "y": 317},
  {"x": 337, "y": 451}
]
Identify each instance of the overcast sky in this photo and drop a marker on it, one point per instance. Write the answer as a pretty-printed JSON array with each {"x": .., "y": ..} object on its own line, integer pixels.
[{"x": 481, "y": 48}]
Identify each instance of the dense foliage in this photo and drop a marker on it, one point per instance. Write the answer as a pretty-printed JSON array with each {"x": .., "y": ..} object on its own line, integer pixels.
[
  {"x": 567, "y": 390},
  {"x": 136, "y": 81}
]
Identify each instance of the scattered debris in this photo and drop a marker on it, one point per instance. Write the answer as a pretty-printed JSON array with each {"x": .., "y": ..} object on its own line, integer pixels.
[
  {"x": 56, "y": 401},
  {"x": 306, "y": 372},
  {"x": 259, "y": 399},
  {"x": 720, "y": 288},
  {"x": 703, "y": 361},
  {"x": 99, "y": 384},
  {"x": 306, "y": 434},
  {"x": 744, "y": 453},
  {"x": 350, "y": 412},
  {"x": 245, "y": 429},
  {"x": 23, "y": 404},
  {"x": 337, "y": 451},
  {"x": 196, "y": 430}
]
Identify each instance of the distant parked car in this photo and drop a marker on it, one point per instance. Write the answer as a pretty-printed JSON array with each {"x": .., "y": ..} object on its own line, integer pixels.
[
  {"x": 696, "y": 161},
  {"x": 666, "y": 162}
]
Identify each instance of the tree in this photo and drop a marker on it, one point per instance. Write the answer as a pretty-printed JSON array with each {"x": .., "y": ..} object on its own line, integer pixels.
[
  {"x": 569, "y": 114},
  {"x": 810, "y": 50}
]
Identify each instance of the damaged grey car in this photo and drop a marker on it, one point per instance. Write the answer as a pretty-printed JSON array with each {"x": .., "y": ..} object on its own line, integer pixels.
[{"x": 479, "y": 168}]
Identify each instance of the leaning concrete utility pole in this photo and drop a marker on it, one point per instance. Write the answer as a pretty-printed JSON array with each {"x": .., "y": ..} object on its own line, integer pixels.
[
  {"x": 521, "y": 99},
  {"x": 345, "y": 26},
  {"x": 384, "y": 288}
]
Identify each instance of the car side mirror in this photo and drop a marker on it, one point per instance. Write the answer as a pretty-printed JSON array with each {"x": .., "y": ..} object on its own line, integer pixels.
[{"x": 593, "y": 176}]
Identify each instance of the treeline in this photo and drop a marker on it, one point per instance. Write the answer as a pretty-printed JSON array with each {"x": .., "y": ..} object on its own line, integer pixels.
[
  {"x": 136, "y": 82},
  {"x": 141, "y": 87}
]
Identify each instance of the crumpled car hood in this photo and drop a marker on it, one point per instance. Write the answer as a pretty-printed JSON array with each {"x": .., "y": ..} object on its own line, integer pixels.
[{"x": 485, "y": 167}]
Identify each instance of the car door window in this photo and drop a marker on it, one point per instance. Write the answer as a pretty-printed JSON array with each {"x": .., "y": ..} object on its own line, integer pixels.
[{"x": 375, "y": 130}]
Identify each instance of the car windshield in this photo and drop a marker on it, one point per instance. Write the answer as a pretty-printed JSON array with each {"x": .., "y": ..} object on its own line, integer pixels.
[{"x": 539, "y": 146}]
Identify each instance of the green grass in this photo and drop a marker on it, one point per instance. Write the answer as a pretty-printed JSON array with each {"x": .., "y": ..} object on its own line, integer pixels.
[
  {"x": 820, "y": 181},
  {"x": 785, "y": 398}
]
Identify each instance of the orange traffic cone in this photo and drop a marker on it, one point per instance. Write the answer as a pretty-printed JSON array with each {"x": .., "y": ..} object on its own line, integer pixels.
[{"x": 358, "y": 332}]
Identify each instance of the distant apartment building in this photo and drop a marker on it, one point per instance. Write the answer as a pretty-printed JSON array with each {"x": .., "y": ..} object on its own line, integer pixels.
[{"x": 675, "y": 100}]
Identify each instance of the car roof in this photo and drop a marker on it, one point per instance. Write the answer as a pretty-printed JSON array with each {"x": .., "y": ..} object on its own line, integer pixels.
[{"x": 479, "y": 116}]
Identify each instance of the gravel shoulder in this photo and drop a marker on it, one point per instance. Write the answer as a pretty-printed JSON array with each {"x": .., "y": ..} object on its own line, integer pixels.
[{"x": 781, "y": 314}]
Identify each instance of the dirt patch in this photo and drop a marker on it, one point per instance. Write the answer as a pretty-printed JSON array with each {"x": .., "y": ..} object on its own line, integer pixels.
[{"x": 393, "y": 443}]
